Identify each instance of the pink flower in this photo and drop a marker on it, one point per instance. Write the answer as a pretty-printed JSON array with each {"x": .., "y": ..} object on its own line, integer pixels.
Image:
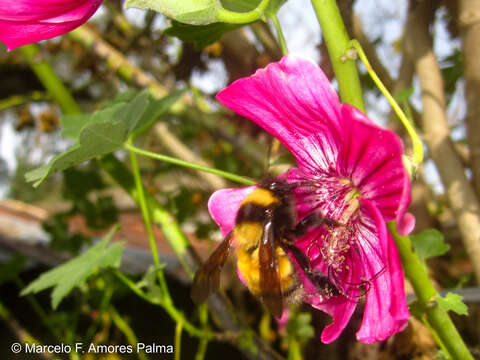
[
  {"x": 27, "y": 21},
  {"x": 358, "y": 179}
]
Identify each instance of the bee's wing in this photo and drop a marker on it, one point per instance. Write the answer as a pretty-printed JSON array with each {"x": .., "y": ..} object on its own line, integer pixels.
[
  {"x": 207, "y": 278},
  {"x": 270, "y": 284}
]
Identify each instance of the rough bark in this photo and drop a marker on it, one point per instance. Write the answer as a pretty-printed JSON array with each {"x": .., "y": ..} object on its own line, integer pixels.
[{"x": 460, "y": 193}]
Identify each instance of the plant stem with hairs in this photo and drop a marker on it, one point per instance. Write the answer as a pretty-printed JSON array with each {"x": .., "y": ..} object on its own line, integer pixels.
[{"x": 437, "y": 318}]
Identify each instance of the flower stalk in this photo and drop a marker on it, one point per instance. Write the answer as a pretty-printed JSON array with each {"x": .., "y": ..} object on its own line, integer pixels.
[
  {"x": 338, "y": 42},
  {"x": 144, "y": 207},
  {"x": 436, "y": 317},
  {"x": 190, "y": 165}
]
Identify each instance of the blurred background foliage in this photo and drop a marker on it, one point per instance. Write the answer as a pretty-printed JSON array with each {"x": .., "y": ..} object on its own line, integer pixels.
[{"x": 122, "y": 51}]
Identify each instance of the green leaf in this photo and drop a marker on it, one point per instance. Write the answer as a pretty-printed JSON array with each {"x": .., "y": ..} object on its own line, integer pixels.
[
  {"x": 299, "y": 326},
  {"x": 12, "y": 268},
  {"x": 273, "y": 7},
  {"x": 452, "y": 70},
  {"x": 155, "y": 109},
  {"x": 452, "y": 302},
  {"x": 124, "y": 97},
  {"x": 74, "y": 272},
  {"x": 95, "y": 140},
  {"x": 197, "y": 12},
  {"x": 150, "y": 282},
  {"x": 72, "y": 124},
  {"x": 104, "y": 131},
  {"x": 200, "y": 36},
  {"x": 429, "y": 243},
  {"x": 240, "y": 5}
]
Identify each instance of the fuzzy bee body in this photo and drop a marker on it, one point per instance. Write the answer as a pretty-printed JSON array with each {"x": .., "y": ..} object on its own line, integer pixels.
[{"x": 265, "y": 230}]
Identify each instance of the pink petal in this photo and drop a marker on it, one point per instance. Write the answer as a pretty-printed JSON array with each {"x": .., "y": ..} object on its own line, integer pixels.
[
  {"x": 282, "y": 322},
  {"x": 406, "y": 224},
  {"x": 26, "y": 21},
  {"x": 341, "y": 310},
  {"x": 290, "y": 99},
  {"x": 398, "y": 308},
  {"x": 385, "y": 308},
  {"x": 372, "y": 158},
  {"x": 223, "y": 206}
]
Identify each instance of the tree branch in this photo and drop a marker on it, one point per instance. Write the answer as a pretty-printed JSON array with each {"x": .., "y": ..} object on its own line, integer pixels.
[
  {"x": 469, "y": 21},
  {"x": 462, "y": 198}
]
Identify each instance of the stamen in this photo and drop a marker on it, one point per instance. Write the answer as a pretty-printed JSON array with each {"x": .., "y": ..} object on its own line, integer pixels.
[{"x": 335, "y": 245}]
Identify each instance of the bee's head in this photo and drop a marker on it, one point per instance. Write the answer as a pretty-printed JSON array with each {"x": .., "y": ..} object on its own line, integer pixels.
[{"x": 277, "y": 185}]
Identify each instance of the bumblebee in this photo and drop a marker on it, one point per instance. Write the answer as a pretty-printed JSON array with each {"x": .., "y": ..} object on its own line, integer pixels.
[{"x": 265, "y": 230}]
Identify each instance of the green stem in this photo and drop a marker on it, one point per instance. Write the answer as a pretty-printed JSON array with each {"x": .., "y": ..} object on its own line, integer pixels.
[
  {"x": 281, "y": 38},
  {"x": 179, "y": 317},
  {"x": 123, "y": 326},
  {"x": 438, "y": 318},
  {"x": 417, "y": 143},
  {"x": 178, "y": 340},
  {"x": 202, "y": 346},
  {"x": 176, "y": 315},
  {"x": 39, "y": 310},
  {"x": 338, "y": 42},
  {"x": 294, "y": 350},
  {"x": 104, "y": 303},
  {"x": 144, "y": 208},
  {"x": 224, "y": 15},
  {"x": 49, "y": 79},
  {"x": 172, "y": 160},
  {"x": 22, "y": 334},
  {"x": 133, "y": 287},
  {"x": 170, "y": 228}
]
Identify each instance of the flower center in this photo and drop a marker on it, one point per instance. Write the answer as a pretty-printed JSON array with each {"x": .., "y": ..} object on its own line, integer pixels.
[
  {"x": 337, "y": 242},
  {"x": 335, "y": 245}
]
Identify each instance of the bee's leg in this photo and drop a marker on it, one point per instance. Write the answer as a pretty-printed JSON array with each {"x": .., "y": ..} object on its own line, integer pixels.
[
  {"x": 302, "y": 259},
  {"x": 318, "y": 279},
  {"x": 313, "y": 220}
]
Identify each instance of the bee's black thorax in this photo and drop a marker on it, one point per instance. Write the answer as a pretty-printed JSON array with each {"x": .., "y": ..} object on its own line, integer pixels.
[{"x": 274, "y": 196}]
